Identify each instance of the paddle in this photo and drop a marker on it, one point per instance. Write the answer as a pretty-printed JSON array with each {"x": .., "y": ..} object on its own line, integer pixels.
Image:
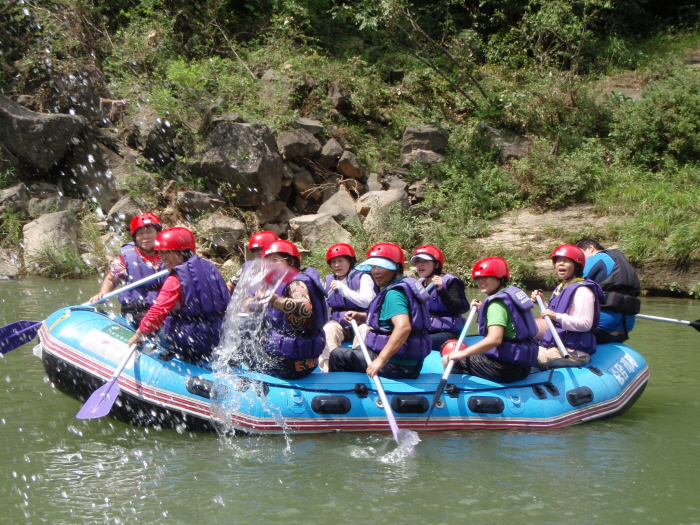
[
  {"x": 128, "y": 287},
  {"x": 102, "y": 400},
  {"x": 378, "y": 384},
  {"x": 694, "y": 324},
  {"x": 555, "y": 335},
  {"x": 450, "y": 364},
  {"x": 18, "y": 333}
]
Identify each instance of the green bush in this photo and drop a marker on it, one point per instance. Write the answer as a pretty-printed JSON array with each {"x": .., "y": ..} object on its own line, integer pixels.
[
  {"x": 10, "y": 229},
  {"x": 662, "y": 129},
  {"x": 555, "y": 181},
  {"x": 60, "y": 262}
]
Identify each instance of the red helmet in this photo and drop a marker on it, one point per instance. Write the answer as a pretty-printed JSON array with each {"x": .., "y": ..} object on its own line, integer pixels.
[
  {"x": 282, "y": 246},
  {"x": 450, "y": 346},
  {"x": 388, "y": 251},
  {"x": 340, "y": 249},
  {"x": 145, "y": 219},
  {"x": 177, "y": 238},
  {"x": 261, "y": 239},
  {"x": 491, "y": 267},
  {"x": 431, "y": 250},
  {"x": 572, "y": 252}
]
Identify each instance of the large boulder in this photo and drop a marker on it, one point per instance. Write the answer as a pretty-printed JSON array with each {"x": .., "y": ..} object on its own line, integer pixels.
[
  {"x": 297, "y": 145},
  {"x": 152, "y": 135},
  {"x": 340, "y": 96},
  {"x": 423, "y": 145},
  {"x": 383, "y": 203},
  {"x": 350, "y": 166},
  {"x": 15, "y": 198},
  {"x": 8, "y": 162},
  {"x": 315, "y": 229},
  {"x": 312, "y": 126},
  {"x": 119, "y": 216},
  {"x": 79, "y": 92},
  {"x": 341, "y": 206},
  {"x": 244, "y": 156},
  {"x": 51, "y": 231},
  {"x": 39, "y": 140},
  {"x": 221, "y": 231},
  {"x": 269, "y": 212},
  {"x": 102, "y": 173},
  {"x": 195, "y": 202},
  {"x": 330, "y": 154},
  {"x": 39, "y": 207}
]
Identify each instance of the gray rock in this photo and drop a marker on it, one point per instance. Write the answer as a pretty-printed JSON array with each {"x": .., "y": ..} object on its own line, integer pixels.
[
  {"x": 196, "y": 202},
  {"x": 119, "y": 216},
  {"x": 383, "y": 204},
  {"x": 80, "y": 92},
  {"x": 300, "y": 203},
  {"x": 43, "y": 190},
  {"x": 305, "y": 186},
  {"x": 8, "y": 162},
  {"x": 10, "y": 263},
  {"x": 341, "y": 206},
  {"x": 395, "y": 183},
  {"x": 246, "y": 157},
  {"x": 350, "y": 166},
  {"x": 285, "y": 215},
  {"x": 51, "y": 231},
  {"x": 330, "y": 154},
  {"x": 37, "y": 139},
  {"x": 151, "y": 134},
  {"x": 374, "y": 182},
  {"x": 315, "y": 229},
  {"x": 364, "y": 203},
  {"x": 423, "y": 145},
  {"x": 221, "y": 231},
  {"x": 297, "y": 145},
  {"x": 100, "y": 173},
  {"x": 276, "y": 228},
  {"x": 514, "y": 147},
  {"x": 15, "y": 198},
  {"x": 340, "y": 96},
  {"x": 38, "y": 207},
  {"x": 312, "y": 126},
  {"x": 269, "y": 212}
]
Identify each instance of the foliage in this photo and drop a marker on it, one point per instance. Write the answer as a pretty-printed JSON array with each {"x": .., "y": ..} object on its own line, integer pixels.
[
  {"x": 662, "y": 128},
  {"x": 553, "y": 181},
  {"x": 10, "y": 229},
  {"x": 58, "y": 263}
]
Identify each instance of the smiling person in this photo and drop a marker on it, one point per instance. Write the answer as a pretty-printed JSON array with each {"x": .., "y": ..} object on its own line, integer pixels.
[
  {"x": 348, "y": 289},
  {"x": 191, "y": 304},
  {"x": 508, "y": 350},
  {"x": 398, "y": 321},
  {"x": 295, "y": 316},
  {"x": 137, "y": 260},
  {"x": 447, "y": 300},
  {"x": 574, "y": 309}
]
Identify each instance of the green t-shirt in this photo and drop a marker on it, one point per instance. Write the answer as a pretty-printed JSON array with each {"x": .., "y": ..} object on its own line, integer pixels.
[
  {"x": 497, "y": 314},
  {"x": 395, "y": 303}
]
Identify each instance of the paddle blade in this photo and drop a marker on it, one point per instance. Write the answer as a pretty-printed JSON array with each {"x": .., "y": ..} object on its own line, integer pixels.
[
  {"x": 696, "y": 324},
  {"x": 16, "y": 334},
  {"x": 101, "y": 401}
]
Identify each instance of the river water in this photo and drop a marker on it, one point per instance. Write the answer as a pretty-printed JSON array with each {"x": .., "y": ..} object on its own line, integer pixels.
[{"x": 643, "y": 467}]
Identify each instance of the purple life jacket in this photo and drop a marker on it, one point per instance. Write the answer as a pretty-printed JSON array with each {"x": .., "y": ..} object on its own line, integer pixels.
[
  {"x": 143, "y": 297},
  {"x": 339, "y": 304},
  {"x": 418, "y": 344},
  {"x": 522, "y": 349},
  {"x": 442, "y": 319},
  {"x": 583, "y": 341},
  {"x": 194, "y": 330},
  {"x": 282, "y": 338}
]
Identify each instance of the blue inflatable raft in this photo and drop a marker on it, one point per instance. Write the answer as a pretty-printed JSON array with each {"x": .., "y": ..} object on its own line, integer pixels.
[{"x": 81, "y": 347}]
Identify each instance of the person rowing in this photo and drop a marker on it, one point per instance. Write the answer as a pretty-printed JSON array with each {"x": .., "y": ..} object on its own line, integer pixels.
[
  {"x": 508, "y": 350},
  {"x": 398, "y": 320},
  {"x": 190, "y": 307},
  {"x": 447, "y": 299},
  {"x": 574, "y": 309},
  {"x": 137, "y": 260}
]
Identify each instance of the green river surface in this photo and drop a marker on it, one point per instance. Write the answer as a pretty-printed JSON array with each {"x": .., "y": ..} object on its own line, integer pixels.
[{"x": 642, "y": 467}]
